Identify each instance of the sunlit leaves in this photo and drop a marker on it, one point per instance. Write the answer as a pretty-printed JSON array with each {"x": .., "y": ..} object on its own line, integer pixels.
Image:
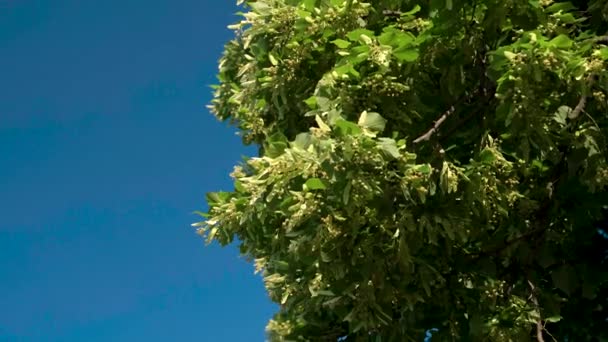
[
  {"x": 372, "y": 121},
  {"x": 373, "y": 212}
]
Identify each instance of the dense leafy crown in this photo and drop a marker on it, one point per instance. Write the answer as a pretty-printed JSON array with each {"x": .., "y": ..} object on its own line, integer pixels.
[{"x": 423, "y": 164}]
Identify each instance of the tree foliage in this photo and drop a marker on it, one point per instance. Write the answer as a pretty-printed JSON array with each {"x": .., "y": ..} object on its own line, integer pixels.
[{"x": 423, "y": 164}]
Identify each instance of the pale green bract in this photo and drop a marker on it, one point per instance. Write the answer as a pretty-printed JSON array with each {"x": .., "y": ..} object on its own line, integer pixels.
[{"x": 423, "y": 164}]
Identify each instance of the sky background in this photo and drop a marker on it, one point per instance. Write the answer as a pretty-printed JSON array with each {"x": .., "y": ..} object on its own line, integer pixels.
[{"x": 106, "y": 148}]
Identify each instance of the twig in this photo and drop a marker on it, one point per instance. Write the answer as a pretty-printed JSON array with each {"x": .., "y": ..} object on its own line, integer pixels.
[
  {"x": 539, "y": 323},
  {"x": 497, "y": 250},
  {"x": 390, "y": 13},
  {"x": 601, "y": 39},
  {"x": 426, "y": 136},
  {"x": 579, "y": 107}
]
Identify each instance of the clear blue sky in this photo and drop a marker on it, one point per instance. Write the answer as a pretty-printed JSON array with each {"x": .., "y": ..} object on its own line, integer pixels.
[{"x": 106, "y": 148}]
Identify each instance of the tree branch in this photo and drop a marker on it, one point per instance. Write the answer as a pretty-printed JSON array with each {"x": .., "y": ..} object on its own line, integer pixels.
[
  {"x": 539, "y": 322},
  {"x": 390, "y": 13},
  {"x": 497, "y": 250},
  {"x": 579, "y": 107},
  {"x": 426, "y": 136},
  {"x": 600, "y": 39}
]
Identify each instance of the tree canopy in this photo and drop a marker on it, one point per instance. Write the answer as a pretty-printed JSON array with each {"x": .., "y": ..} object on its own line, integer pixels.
[{"x": 423, "y": 164}]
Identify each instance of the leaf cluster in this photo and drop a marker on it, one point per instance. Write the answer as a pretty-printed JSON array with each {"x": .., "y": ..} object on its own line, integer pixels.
[{"x": 423, "y": 164}]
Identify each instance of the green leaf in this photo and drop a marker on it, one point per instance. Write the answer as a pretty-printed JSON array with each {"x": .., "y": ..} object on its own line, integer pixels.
[
  {"x": 423, "y": 168},
  {"x": 238, "y": 186},
  {"x": 603, "y": 53},
  {"x": 346, "y": 69},
  {"x": 311, "y": 102},
  {"x": 561, "y": 114},
  {"x": 553, "y": 319},
  {"x": 560, "y": 6},
  {"x": 341, "y": 43},
  {"x": 568, "y": 18},
  {"x": 302, "y": 141},
  {"x": 309, "y": 5},
  {"x": 322, "y": 125},
  {"x": 314, "y": 184},
  {"x": 345, "y": 128},
  {"x": 414, "y": 10},
  {"x": 510, "y": 55},
  {"x": 487, "y": 156},
  {"x": 372, "y": 121},
  {"x": 389, "y": 147},
  {"x": 275, "y": 145},
  {"x": 323, "y": 102},
  {"x": 356, "y": 34},
  {"x": 396, "y": 38},
  {"x": 406, "y": 54},
  {"x": 201, "y": 214},
  {"x": 272, "y": 59},
  {"x": 216, "y": 198},
  {"x": 562, "y": 42},
  {"x": 346, "y": 193}
]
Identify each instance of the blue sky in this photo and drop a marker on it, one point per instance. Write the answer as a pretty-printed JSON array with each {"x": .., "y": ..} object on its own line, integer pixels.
[{"x": 106, "y": 148}]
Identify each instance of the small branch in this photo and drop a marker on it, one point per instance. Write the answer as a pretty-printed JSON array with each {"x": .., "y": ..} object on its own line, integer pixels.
[
  {"x": 426, "y": 136},
  {"x": 497, "y": 250},
  {"x": 601, "y": 39},
  {"x": 390, "y": 13},
  {"x": 579, "y": 107},
  {"x": 539, "y": 323}
]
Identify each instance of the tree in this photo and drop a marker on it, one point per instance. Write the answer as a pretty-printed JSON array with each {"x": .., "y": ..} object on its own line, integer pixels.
[{"x": 423, "y": 164}]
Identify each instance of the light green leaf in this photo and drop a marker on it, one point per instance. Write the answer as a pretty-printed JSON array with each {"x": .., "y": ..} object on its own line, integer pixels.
[
  {"x": 366, "y": 39},
  {"x": 325, "y": 293},
  {"x": 346, "y": 69},
  {"x": 603, "y": 53},
  {"x": 561, "y": 114},
  {"x": 272, "y": 59},
  {"x": 314, "y": 184},
  {"x": 322, "y": 125},
  {"x": 414, "y": 10},
  {"x": 302, "y": 141},
  {"x": 389, "y": 147},
  {"x": 423, "y": 168},
  {"x": 553, "y": 319},
  {"x": 311, "y": 102},
  {"x": 406, "y": 54},
  {"x": 220, "y": 197},
  {"x": 510, "y": 55},
  {"x": 372, "y": 121},
  {"x": 341, "y": 43},
  {"x": 309, "y": 4},
  {"x": 323, "y": 102},
  {"x": 562, "y": 42},
  {"x": 356, "y": 34},
  {"x": 396, "y": 38}
]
